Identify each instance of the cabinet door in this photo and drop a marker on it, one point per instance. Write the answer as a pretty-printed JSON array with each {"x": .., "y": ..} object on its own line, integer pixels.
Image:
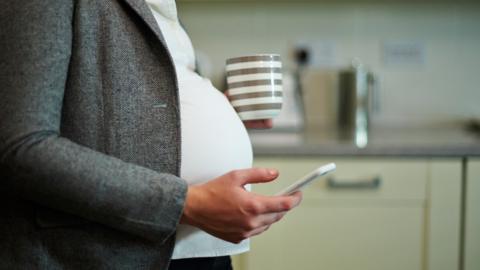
[
  {"x": 342, "y": 238},
  {"x": 472, "y": 226},
  {"x": 385, "y": 227}
]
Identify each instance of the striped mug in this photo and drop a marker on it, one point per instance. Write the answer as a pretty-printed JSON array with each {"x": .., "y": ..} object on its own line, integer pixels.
[{"x": 255, "y": 85}]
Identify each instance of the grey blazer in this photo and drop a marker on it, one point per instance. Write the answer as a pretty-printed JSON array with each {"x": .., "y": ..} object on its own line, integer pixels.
[{"x": 89, "y": 137}]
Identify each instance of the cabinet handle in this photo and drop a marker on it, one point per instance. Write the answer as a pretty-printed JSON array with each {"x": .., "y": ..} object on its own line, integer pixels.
[{"x": 373, "y": 183}]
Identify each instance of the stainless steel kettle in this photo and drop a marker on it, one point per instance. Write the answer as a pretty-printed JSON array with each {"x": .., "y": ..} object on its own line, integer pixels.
[{"x": 357, "y": 100}]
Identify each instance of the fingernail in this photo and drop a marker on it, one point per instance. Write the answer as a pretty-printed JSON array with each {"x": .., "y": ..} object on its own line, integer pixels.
[{"x": 272, "y": 172}]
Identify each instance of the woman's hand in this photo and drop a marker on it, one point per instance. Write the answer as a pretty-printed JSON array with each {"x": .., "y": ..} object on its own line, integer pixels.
[
  {"x": 259, "y": 124},
  {"x": 223, "y": 208}
]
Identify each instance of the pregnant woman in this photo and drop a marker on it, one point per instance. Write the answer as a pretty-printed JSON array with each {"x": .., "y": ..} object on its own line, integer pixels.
[{"x": 114, "y": 153}]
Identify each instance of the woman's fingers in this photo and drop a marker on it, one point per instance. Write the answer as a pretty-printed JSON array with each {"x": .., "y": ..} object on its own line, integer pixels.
[
  {"x": 275, "y": 204},
  {"x": 253, "y": 176},
  {"x": 259, "y": 124},
  {"x": 258, "y": 231}
]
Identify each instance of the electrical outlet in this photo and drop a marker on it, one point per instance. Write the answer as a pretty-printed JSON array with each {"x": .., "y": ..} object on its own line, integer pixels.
[
  {"x": 404, "y": 53},
  {"x": 322, "y": 53}
]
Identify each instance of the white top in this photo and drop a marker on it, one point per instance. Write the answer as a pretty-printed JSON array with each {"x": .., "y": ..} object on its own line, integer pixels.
[{"x": 214, "y": 140}]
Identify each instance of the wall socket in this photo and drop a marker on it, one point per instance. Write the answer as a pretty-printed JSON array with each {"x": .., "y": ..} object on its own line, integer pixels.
[
  {"x": 403, "y": 53},
  {"x": 321, "y": 53}
]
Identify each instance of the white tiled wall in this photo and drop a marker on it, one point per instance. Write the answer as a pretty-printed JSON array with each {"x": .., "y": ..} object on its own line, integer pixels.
[{"x": 446, "y": 87}]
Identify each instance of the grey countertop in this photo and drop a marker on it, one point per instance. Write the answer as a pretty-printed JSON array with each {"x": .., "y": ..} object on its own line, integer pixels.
[{"x": 386, "y": 142}]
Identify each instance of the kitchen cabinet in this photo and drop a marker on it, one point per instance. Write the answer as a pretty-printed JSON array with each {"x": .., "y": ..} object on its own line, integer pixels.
[
  {"x": 472, "y": 216},
  {"x": 314, "y": 1},
  {"x": 379, "y": 214}
]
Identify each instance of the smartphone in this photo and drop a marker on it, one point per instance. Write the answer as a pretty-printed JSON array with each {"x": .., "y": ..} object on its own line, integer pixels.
[{"x": 307, "y": 179}]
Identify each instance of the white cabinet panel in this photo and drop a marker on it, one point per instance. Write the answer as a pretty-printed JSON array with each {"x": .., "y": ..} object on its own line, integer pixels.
[
  {"x": 342, "y": 238},
  {"x": 411, "y": 221},
  {"x": 472, "y": 230},
  {"x": 442, "y": 216},
  {"x": 400, "y": 179}
]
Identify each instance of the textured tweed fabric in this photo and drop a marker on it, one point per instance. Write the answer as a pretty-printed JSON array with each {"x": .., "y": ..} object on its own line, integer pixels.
[{"x": 89, "y": 137}]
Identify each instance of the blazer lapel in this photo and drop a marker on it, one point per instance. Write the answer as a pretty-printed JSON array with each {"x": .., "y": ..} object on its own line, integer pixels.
[{"x": 142, "y": 9}]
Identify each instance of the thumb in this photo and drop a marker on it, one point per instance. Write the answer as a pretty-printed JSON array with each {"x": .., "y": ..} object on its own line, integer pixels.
[{"x": 254, "y": 175}]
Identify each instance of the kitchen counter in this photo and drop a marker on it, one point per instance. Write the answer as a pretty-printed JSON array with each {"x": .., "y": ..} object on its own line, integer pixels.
[{"x": 393, "y": 142}]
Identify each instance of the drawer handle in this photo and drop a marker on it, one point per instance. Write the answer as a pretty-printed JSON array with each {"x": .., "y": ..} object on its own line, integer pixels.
[{"x": 373, "y": 183}]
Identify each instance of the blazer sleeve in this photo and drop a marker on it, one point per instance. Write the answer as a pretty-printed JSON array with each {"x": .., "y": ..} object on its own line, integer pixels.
[{"x": 35, "y": 48}]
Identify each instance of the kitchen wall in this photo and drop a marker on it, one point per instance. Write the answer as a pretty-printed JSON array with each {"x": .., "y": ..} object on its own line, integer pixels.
[{"x": 443, "y": 86}]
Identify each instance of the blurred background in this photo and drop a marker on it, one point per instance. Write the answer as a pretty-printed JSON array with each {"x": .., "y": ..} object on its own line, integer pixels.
[{"x": 389, "y": 90}]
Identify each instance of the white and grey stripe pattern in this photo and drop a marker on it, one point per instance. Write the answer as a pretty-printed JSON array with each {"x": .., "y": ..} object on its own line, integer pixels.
[{"x": 255, "y": 85}]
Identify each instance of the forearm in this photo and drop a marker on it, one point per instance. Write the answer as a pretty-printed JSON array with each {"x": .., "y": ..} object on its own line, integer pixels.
[
  {"x": 35, "y": 50},
  {"x": 60, "y": 174}
]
